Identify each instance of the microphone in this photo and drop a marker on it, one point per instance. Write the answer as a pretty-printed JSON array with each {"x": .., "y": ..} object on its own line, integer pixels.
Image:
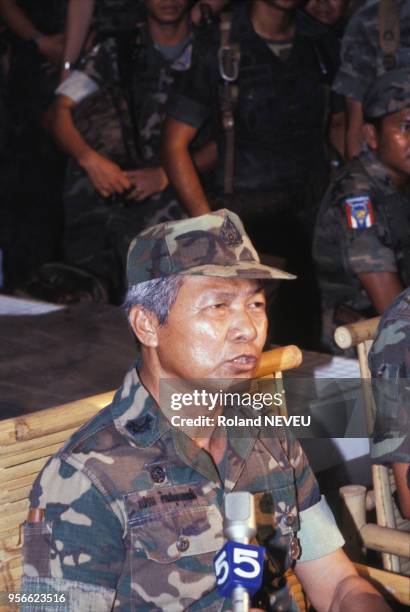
[{"x": 239, "y": 565}]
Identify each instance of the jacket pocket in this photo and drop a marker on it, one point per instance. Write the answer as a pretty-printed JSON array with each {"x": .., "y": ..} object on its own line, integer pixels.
[{"x": 172, "y": 546}]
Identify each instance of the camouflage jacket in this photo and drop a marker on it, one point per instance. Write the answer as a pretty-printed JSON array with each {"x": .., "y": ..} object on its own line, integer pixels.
[
  {"x": 363, "y": 225},
  {"x": 389, "y": 362},
  {"x": 362, "y": 56},
  {"x": 128, "y": 513},
  {"x": 281, "y": 107},
  {"x": 121, "y": 90}
]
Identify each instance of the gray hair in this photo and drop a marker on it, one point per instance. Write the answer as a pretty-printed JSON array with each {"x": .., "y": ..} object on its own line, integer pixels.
[{"x": 156, "y": 296}]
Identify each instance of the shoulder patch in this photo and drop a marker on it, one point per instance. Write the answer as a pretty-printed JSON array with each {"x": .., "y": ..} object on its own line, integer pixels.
[{"x": 359, "y": 212}]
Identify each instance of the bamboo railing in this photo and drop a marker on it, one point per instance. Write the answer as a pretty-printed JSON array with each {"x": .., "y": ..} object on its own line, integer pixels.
[{"x": 396, "y": 529}]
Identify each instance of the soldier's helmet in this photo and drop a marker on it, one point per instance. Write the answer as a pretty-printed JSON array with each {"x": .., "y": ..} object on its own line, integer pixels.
[{"x": 214, "y": 244}]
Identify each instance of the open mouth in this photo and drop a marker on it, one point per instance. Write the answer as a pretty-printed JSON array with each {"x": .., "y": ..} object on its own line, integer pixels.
[{"x": 243, "y": 363}]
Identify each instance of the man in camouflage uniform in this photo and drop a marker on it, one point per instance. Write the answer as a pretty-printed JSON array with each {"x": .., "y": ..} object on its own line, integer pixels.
[
  {"x": 389, "y": 362},
  {"x": 362, "y": 237},
  {"x": 280, "y": 171},
  {"x": 364, "y": 60},
  {"x": 128, "y": 514},
  {"x": 106, "y": 17},
  {"x": 108, "y": 117}
]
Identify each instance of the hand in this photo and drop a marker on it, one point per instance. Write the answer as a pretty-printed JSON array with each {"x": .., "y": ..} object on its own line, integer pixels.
[
  {"x": 146, "y": 182},
  {"x": 51, "y": 47},
  {"x": 106, "y": 176}
]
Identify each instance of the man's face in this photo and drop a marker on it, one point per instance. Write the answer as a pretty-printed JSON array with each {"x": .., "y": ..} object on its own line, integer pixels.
[
  {"x": 216, "y": 329},
  {"x": 392, "y": 144},
  {"x": 326, "y": 11},
  {"x": 167, "y": 11}
]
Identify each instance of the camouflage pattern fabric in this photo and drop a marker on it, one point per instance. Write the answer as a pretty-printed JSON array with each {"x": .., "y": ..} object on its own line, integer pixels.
[
  {"x": 362, "y": 56},
  {"x": 388, "y": 94},
  {"x": 129, "y": 511},
  {"x": 215, "y": 244},
  {"x": 389, "y": 362},
  {"x": 362, "y": 194},
  {"x": 98, "y": 231}
]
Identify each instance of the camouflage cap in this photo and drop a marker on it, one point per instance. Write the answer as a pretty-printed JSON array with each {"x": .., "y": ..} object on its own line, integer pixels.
[
  {"x": 215, "y": 244},
  {"x": 388, "y": 94}
]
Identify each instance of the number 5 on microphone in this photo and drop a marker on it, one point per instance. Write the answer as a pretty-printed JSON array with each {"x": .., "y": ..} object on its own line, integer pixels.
[{"x": 239, "y": 565}]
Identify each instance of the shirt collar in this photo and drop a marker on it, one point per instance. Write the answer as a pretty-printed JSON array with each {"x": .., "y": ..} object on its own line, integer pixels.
[
  {"x": 136, "y": 414},
  {"x": 138, "y": 417}
]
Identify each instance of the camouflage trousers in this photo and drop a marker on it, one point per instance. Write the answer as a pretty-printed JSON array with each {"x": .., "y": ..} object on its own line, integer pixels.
[{"x": 99, "y": 231}]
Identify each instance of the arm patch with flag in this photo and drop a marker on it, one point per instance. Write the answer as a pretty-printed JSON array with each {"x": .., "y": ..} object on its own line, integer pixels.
[{"x": 359, "y": 212}]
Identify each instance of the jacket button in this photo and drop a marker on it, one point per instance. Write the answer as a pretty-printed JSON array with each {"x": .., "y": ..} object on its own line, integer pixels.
[
  {"x": 182, "y": 544},
  {"x": 158, "y": 474},
  {"x": 289, "y": 520}
]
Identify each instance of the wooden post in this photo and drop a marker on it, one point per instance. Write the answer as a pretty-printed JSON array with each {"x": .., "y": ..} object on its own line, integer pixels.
[
  {"x": 347, "y": 336},
  {"x": 279, "y": 359},
  {"x": 385, "y": 510},
  {"x": 353, "y": 518}
]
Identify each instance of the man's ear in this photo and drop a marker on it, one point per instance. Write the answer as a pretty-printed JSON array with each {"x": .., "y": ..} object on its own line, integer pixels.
[
  {"x": 144, "y": 325},
  {"x": 370, "y": 135}
]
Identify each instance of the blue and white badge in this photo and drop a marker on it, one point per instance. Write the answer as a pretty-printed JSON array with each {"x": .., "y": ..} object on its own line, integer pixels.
[
  {"x": 239, "y": 565},
  {"x": 359, "y": 212}
]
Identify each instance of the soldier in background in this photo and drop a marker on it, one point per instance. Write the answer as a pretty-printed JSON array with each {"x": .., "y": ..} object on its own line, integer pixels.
[
  {"x": 362, "y": 236},
  {"x": 108, "y": 117},
  {"x": 271, "y": 112},
  {"x": 389, "y": 363},
  {"x": 106, "y": 17},
  {"x": 377, "y": 39},
  {"x": 128, "y": 514}
]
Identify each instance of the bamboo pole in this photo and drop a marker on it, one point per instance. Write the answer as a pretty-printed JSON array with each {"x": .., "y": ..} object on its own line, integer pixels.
[
  {"x": 32, "y": 455},
  {"x": 353, "y": 518},
  {"x": 376, "y": 537},
  {"x": 386, "y": 540},
  {"x": 17, "y": 471},
  {"x": 354, "y": 497},
  {"x": 279, "y": 359},
  {"x": 347, "y": 336},
  {"x": 11, "y": 450},
  {"x": 51, "y": 420},
  {"x": 385, "y": 510},
  {"x": 396, "y": 585}
]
